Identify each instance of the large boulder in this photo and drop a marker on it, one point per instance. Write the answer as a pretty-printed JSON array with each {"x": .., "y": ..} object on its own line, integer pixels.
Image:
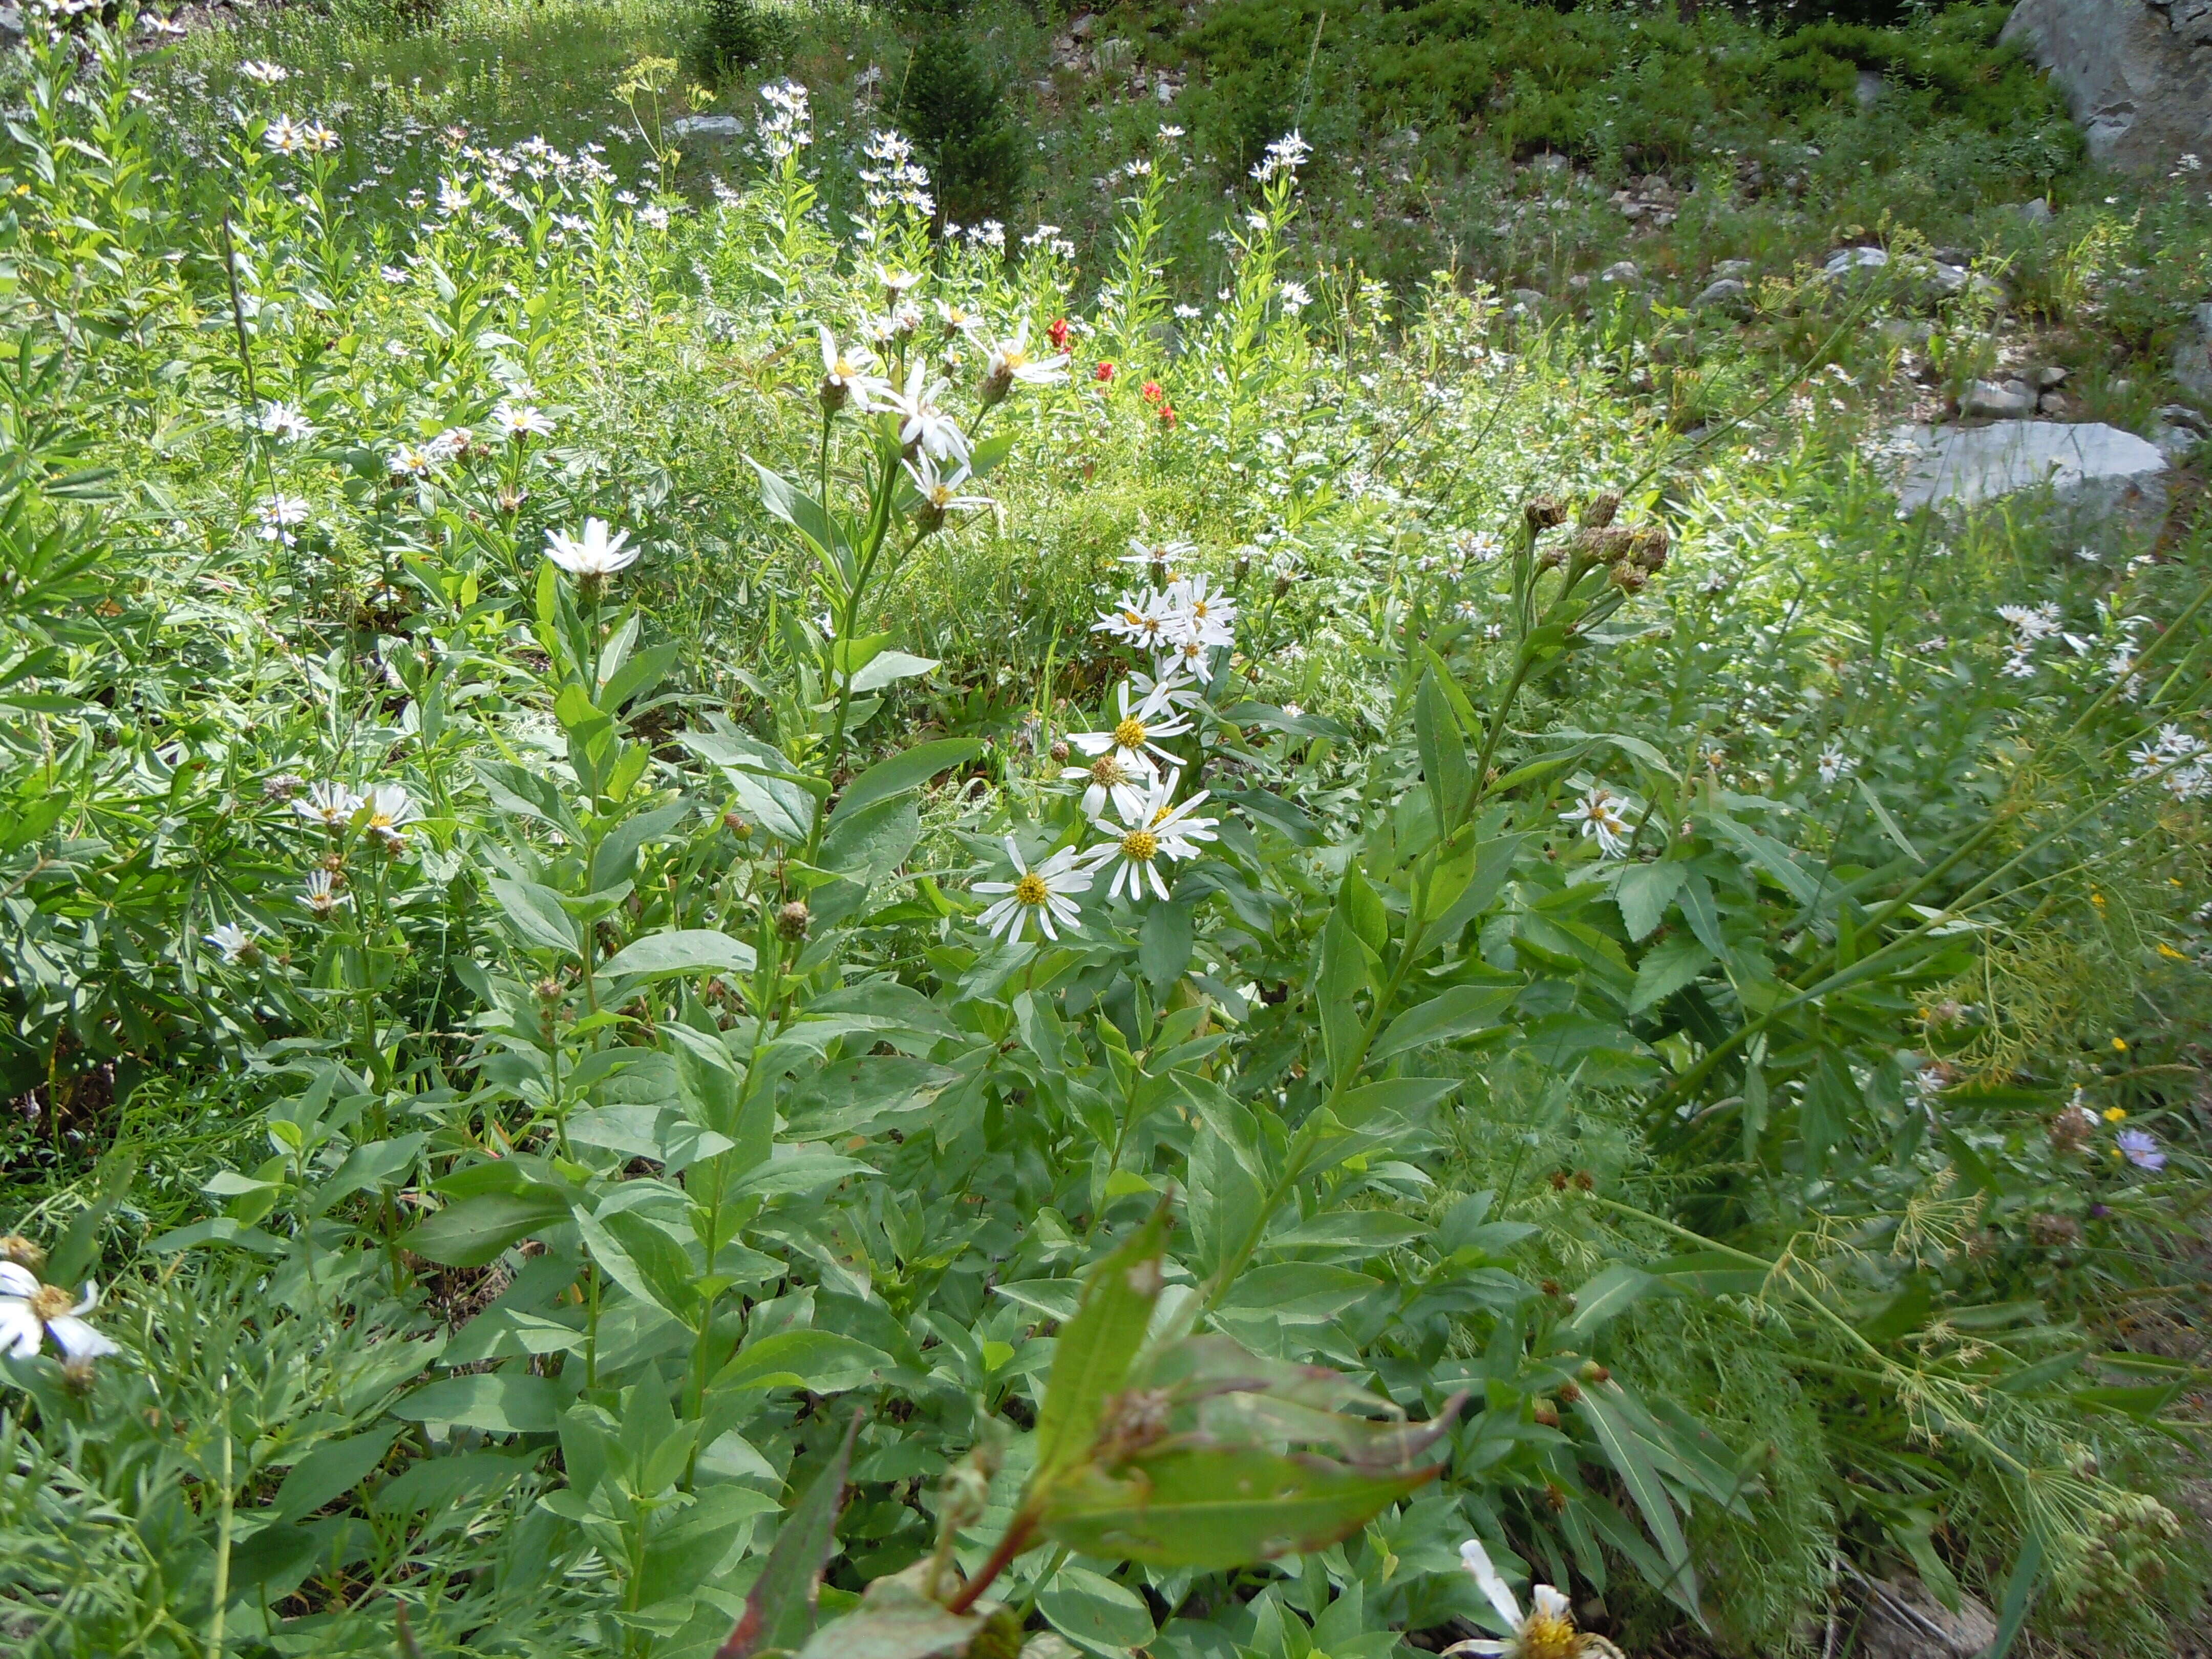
[
  {"x": 2105, "y": 486},
  {"x": 2137, "y": 73}
]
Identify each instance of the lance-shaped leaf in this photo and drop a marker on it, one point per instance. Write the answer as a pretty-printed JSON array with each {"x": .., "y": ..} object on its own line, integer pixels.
[
  {"x": 1219, "y": 1507},
  {"x": 1094, "y": 1349},
  {"x": 780, "y": 1607},
  {"x": 1443, "y": 752}
]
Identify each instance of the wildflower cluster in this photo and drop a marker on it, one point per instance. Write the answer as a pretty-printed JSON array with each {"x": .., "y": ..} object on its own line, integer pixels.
[
  {"x": 2179, "y": 761},
  {"x": 894, "y": 177},
  {"x": 788, "y": 126}
]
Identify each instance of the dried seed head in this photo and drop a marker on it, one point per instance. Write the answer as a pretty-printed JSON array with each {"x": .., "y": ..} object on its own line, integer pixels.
[
  {"x": 1282, "y": 586},
  {"x": 1556, "y": 1496},
  {"x": 1560, "y": 1179},
  {"x": 1059, "y": 752},
  {"x": 793, "y": 919},
  {"x": 1543, "y": 512},
  {"x": 1651, "y": 542},
  {"x": 23, "y": 1252},
  {"x": 834, "y": 394},
  {"x": 1598, "y": 511},
  {"x": 1629, "y": 578},
  {"x": 547, "y": 990},
  {"x": 1568, "y": 1393},
  {"x": 283, "y": 786},
  {"x": 2054, "y": 1231},
  {"x": 2070, "y": 1131}
]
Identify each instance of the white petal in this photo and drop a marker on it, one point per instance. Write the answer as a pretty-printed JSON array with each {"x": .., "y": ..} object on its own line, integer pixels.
[
  {"x": 1476, "y": 1560},
  {"x": 79, "y": 1340},
  {"x": 20, "y": 1330},
  {"x": 1487, "y": 1647},
  {"x": 16, "y": 1279},
  {"x": 1548, "y": 1602}
]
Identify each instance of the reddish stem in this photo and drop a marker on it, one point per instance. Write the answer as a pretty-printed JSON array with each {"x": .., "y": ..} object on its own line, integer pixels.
[{"x": 1016, "y": 1541}]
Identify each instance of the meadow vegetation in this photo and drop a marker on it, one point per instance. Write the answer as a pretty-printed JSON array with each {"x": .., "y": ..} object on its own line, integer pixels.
[{"x": 1001, "y": 844}]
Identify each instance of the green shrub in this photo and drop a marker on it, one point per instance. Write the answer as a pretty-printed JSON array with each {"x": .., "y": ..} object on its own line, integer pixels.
[
  {"x": 963, "y": 127},
  {"x": 729, "y": 36}
]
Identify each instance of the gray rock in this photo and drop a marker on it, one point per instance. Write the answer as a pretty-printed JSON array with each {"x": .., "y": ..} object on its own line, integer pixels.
[
  {"x": 1844, "y": 260},
  {"x": 1626, "y": 272},
  {"x": 1528, "y": 298},
  {"x": 1906, "y": 331},
  {"x": 2105, "y": 484},
  {"x": 2037, "y": 212},
  {"x": 1988, "y": 400},
  {"x": 1732, "y": 270},
  {"x": 2054, "y": 407},
  {"x": 1550, "y": 162},
  {"x": 2137, "y": 73},
  {"x": 718, "y": 127},
  {"x": 2049, "y": 379},
  {"x": 1868, "y": 90},
  {"x": 2176, "y": 443},
  {"x": 1903, "y": 1620},
  {"x": 2193, "y": 358},
  {"x": 2182, "y": 415},
  {"x": 1081, "y": 28},
  {"x": 1727, "y": 292}
]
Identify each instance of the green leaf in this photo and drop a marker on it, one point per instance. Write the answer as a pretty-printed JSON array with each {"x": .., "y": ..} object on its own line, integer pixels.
[
  {"x": 1443, "y": 752},
  {"x": 889, "y": 667},
  {"x": 908, "y": 770},
  {"x": 681, "y": 950},
  {"x": 2020, "y": 1594},
  {"x": 1645, "y": 890},
  {"x": 498, "y": 1402},
  {"x": 1360, "y": 904},
  {"x": 1094, "y": 1612},
  {"x": 780, "y": 1607},
  {"x": 1342, "y": 974},
  {"x": 1626, "y": 1454},
  {"x": 916, "y": 1628},
  {"x": 821, "y": 1362},
  {"x": 870, "y": 842},
  {"x": 1094, "y": 1348},
  {"x": 1219, "y": 1507},
  {"x": 644, "y": 1260},
  {"x": 1666, "y": 969},
  {"x": 1612, "y": 1291},
  {"x": 1164, "y": 945},
  {"x": 76, "y": 1253},
  {"x": 1460, "y": 1011},
  {"x": 331, "y": 1470},
  {"x": 1298, "y": 1292},
  {"x": 1772, "y": 857},
  {"x": 474, "y": 1233},
  {"x": 1890, "y": 826},
  {"x": 535, "y": 916}
]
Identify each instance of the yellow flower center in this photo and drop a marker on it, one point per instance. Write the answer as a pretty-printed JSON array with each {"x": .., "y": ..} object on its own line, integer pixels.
[
  {"x": 1129, "y": 734},
  {"x": 1031, "y": 890},
  {"x": 940, "y": 495},
  {"x": 49, "y": 1303},
  {"x": 1108, "y": 770},
  {"x": 841, "y": 370},
  {"x": 1141, "y": 845},
  {"x": 1014, "y": 357},
  {"x": 1198, "y": 609},
  {"x": 1160, "y": 816},
  {"x": 1549, "y": 1636}
]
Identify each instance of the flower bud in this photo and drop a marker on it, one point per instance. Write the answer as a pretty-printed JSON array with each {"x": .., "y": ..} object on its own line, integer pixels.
[
  {"x": 1542, "y": 513},
  {"x": 1547, "y": 1413},
  {"x": 792, "y": 922},
  {"x": 1556, "y": 1496},
  {"x": 23, "y": 1252},
  {"x": 1241, "y": 568},
  {"x": 1629, "y": 578},
  {"x": 834, "y": 394},
  {"x": 1282, "y": 586},
  {"x": 547, "y": 990},
  {"x": 1568, "y": 1393},
  {"x": 1650, "y": 543},
  {"x": 1593, "y": 1373},
  {"x": 1059, "y": 752},
  {"x": 739, "y": 825},
  {"x": 996, "y": 384},
  {"x": 1598, "y": 511}
]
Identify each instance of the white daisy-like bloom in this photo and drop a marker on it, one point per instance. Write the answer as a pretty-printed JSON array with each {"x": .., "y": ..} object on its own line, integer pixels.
[
  {"x": 30, "y": 1312},
  {"x": 391, "y": 809},
  {"x": 453, "y": 197},
  {"x": 1202, "y": 614},
  {"x": 520, "y": 420},
  {"x": 285, "y": 136},
  {"x": 236, "y": 943},
  {"x": 286, "y": 424},
  {"x": 1192, "y": 656},
  {"x": 898, "y": 283},
  {"x": 280, "y": 516},
  {"x": 263, "y": 73},
  {"x": 594, "y": 555},
  {"x": 1171, "y": 687},
  {"x": 1107, "y": 779},
  {"x": 1047, "y": 893},
  {"x": 1134, "y": 739},
  {"x": 921, "y": 423},
  {"x": 957, "y": 318},
  {"x": 1011, "y": 362},
  {"x": 1145, "y": 620},
  {"x": 1835, "y": 763},
  {"x": 1145, "y": 554},
  {"x": 851, "y": 371},
  {"x": 329, "y": 803},
  {"x": 321, "y": 896},
  {"x": 1157, "y": 829},
  {"x": 407, "y": 461},
  {"x": 1598, "y": 814},
  {"x": 1547, "y": 1631},
  {"x": 941, "y": 489},
  {"x": 314, "y": 136}
]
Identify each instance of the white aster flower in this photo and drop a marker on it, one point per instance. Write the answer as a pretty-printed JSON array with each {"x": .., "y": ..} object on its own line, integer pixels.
[
  {"x": 922, "y": 424},
  {"x": 1835, "y": 763},
  {"x": 1598, "y": 814},
  {"x": 285, "y": 136},
  {"x": 1145, "y": 620},
  {"x": 1047, "y": 893},
  {"x": 1199, "y": 613},
  {"x": 285, "y": 423},
  {"x": 1172, "y": 690},
  {"x": 520, "y": 420},
  {"x": 1107, "y": 779},
  {"x": 280, "y": 516},
  {"x": 1134, "y": 739},
  {"x": 1156, "y": 831},
  {"x": 262, "y": 73},
  {"x": 30, "y": 1312},
  {"x": 329, "y": 803},
  {"x": 235, "y": 943},
  {"x": 850, "y": 373},
  {"x": 321, "y": 896},
  {"x": 1546, "y": 1631},
  {"x": 594, "y": 555},
  {"x": 391, "y": 809},
  {"x": 407, "y": 461},
  {"x": 940, "y": 490},
  {"x": 1011, "y": 362}
]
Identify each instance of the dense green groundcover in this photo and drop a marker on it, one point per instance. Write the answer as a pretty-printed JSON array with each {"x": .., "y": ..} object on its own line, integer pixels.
[{"x": 700, "y": 891}]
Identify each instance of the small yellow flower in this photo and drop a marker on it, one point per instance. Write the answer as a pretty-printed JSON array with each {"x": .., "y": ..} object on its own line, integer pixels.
[
  {"x": 2169, "y": 951},
  {"x": 2097, "y": 899},
  {"x": 2119, "y": 1045},
  {"x": 2115, "y": 1114}
]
